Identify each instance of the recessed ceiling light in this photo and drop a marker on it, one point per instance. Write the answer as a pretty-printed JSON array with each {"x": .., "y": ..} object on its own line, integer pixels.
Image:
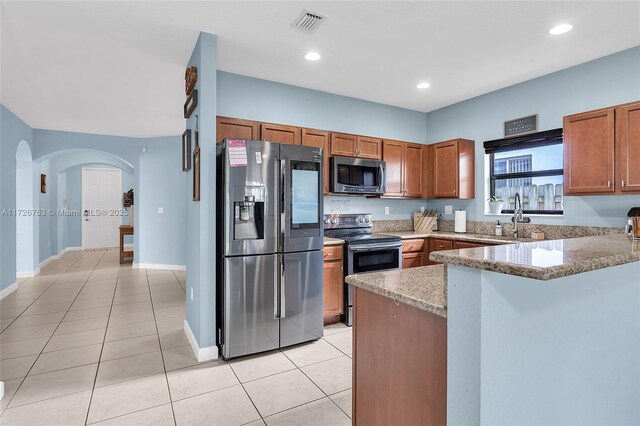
[
  {"x": 312, "y": 56},
  {"x": 423, "y": 85},
  {"x": 560, "y": 29}
]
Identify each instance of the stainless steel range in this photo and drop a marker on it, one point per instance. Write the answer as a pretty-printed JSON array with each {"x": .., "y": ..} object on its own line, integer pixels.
[{"x": 364, "y": 250}]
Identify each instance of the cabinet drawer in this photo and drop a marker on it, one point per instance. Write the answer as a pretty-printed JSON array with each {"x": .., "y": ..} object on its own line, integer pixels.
[
  {"x": 411, "y": 246},
  {"x": 332, "y": 252},
  {"x": 437, "y": 245},
  {"x": 412, "y": 260},
  {"x": 465, "y": 244}
]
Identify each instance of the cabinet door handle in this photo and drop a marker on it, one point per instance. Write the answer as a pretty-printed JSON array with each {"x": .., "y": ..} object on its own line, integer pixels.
[
  {"x": 623, "y": 182},
  {"x": 609, "y": 184}
]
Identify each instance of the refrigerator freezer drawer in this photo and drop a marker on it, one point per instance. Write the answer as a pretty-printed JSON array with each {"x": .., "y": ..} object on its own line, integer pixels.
[
  {"x": 250, "y": 305},
  {"x": 302, "y": 302}
]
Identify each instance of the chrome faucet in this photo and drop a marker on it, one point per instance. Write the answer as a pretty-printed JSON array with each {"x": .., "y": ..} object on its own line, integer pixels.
[{"x": 518, "y": 215}]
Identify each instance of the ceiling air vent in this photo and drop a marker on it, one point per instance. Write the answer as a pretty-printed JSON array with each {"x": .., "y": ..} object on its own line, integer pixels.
[{"x": 308, "y": 22}]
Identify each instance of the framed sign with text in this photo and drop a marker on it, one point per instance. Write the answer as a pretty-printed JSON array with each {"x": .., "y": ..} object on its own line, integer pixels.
[{"x": 519, "y": 126}]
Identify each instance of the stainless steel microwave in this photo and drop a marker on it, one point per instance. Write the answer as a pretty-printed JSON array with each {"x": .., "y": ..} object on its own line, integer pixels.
[{"x": 357, "y": 176}]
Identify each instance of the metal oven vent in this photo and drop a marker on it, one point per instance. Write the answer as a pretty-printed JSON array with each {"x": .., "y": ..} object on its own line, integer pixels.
[{"x": 308, "y": 22}]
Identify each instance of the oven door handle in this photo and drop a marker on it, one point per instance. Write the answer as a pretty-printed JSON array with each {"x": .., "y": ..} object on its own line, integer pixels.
[{"x": 369, "y": 247}]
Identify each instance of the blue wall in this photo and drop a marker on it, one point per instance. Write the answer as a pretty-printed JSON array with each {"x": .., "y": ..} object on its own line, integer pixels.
[
  {"x": 12, "y": 131},
  {"x": 611, "y": 80},
  {"x": 262, "y": 100},
  {"x": 162, "y": 182},
  {"x": 159, "y": 174},
  {"x": 200, "y": 215}
]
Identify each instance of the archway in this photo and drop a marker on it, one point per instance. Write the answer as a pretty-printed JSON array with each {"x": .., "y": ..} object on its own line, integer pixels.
[{"x": 25, "y": 217}]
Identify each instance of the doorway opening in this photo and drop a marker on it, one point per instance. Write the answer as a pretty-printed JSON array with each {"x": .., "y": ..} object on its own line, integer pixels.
[
  {"x": 25, "y": 217},
  {"x": 101, "y": 207}
]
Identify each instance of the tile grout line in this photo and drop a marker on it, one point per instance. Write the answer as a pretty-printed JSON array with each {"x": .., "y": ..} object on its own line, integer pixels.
[
  {"x": 326, "y": 395},
  {"x": 245, "y": 391},
  {"x": 95, "y": 378},
  {"x": 40, "y": 295},
  {"x": 164, "y": 366},
  {"x": 50, "y": 337}
]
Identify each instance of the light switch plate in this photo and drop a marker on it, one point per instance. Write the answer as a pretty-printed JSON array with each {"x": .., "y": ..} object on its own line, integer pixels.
[
  {"x": 160, "y": 210},
  {"x": 448, "y": 209},
  {"x": 386, "y": 210},
  {"x": 192, "y": 294}
]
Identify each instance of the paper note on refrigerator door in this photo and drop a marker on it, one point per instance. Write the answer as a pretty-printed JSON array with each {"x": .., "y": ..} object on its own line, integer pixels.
[{"x": 237, "y": 153}]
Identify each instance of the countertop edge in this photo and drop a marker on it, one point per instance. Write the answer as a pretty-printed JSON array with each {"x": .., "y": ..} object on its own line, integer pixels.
[
  {"x": 537, "y": 273},
  {"x": 478, "y": 238},
  {"x": 418, "y": 303}
]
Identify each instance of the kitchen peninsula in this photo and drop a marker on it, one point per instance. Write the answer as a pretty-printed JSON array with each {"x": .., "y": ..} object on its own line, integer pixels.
[{"x": 525, "y": 333}]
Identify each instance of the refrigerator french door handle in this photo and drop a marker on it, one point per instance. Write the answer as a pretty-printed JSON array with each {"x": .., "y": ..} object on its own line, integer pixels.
[
  {"x": 283, "y": 313},
  {"x": 276, "y": 218},
  {"x": 283, "y": 198},
  {"x": 276, "y": 290}
]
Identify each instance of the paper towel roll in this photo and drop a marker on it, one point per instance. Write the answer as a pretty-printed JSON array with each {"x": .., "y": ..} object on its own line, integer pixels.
[{"x": 461, "y": 221}]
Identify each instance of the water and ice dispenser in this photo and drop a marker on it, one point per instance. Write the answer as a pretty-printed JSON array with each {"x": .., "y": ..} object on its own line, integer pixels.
[{"x": 249, "y": 216}]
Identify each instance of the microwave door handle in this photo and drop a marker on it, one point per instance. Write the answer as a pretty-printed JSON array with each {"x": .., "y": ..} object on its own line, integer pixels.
[{"x": 382, "y": 182}]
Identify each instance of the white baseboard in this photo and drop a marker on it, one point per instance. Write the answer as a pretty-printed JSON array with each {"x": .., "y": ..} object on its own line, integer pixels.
[
  {"x": 8, "y": 290},
  {"x": 159, "y": 266},
  {"x": 57, "y": 256},
  {"x": 202, "y": 354},
  {"x": 69, "y": 249},
  {"x": 27, "y": 274}
]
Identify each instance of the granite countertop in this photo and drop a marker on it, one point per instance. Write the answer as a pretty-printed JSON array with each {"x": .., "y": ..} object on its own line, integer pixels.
[
  {"x": 422, "y": 287},
  {"x": 477, "y": 238},
  {"x": 328, "y": 241},
  {"x": 547, "y": 260}
]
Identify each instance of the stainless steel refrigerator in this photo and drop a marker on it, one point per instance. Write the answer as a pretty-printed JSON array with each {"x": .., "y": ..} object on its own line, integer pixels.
[{"x": 269, "y": 282}]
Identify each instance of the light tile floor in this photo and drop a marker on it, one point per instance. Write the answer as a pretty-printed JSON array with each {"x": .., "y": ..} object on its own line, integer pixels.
[{"x": 88, "y": 341}]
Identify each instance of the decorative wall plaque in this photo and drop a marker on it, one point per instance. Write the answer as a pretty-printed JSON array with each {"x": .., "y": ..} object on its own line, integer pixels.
[
  {"x": 519, "y": 126},
  {"x": 190, "y": 79}
]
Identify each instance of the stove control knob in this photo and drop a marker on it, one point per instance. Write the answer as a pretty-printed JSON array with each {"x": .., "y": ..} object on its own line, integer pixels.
[
  {"x": 334, "y": 221},
  {"x": 327, "y": 221},
  {"x": 366, "y": 219},
  {"x": 361, "y": 220}
]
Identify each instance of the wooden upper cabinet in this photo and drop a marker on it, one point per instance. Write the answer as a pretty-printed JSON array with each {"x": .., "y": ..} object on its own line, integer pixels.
[
  {"x": 343, "y": 145},
  {"x": 589, "y": 152},
  {"x": 451, "y": 169},
  {"x": 319, "y": 139},
  {"x": 403, "y": 169},
  {"x": 393, "y": 152},
  {"x": 413, "y": 170},
  {"x": 628, "y": 142},
  {"x": 236, "y": 128},
  {"x": 369, "y": 148},
  {"x": 346, "y": 145},
  {"x": 280, "y": 133}
]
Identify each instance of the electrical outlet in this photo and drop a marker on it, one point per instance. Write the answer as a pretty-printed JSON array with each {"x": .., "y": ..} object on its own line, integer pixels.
[
  {"x": 386, "y": 210},
  {"x": 192, "y": 294},
  {"x": 160, "y": 210},
  {"x": 421, "y": 209},
  {"x": 448, "y": 209}
]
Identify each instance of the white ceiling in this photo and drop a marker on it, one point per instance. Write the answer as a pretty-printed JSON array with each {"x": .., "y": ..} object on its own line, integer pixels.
[{"x": 118, "y": 67}]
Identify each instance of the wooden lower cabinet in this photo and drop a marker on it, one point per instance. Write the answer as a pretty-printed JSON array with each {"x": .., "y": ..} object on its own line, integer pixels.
[
  {"x": 412, "y": 260},
  {"x": 333, "y": 284},
  {"x": 437, "y": 244},
  {"x": 399, "y": 363},
  {"x": 465, "y": 244},
  {"x": 413, "y": 253}
]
